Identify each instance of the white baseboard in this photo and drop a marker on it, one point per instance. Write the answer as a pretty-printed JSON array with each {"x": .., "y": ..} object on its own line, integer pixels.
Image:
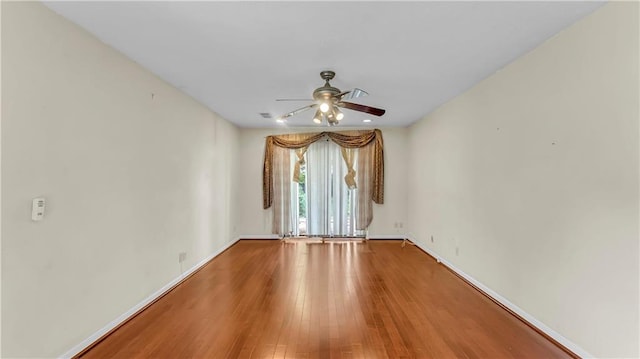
[
  {"x": 275, "y": 236},
  {"x": 387, "y": 236},
  {"x": 259, "y": 236},
  {"x": 114, "y": 323},
  {"x": 497, "y": 297}
]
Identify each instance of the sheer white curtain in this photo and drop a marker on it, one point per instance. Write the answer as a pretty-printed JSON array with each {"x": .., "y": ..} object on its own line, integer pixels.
[
  {"x": 330, "y": 203},
  {"x": 284, "y": 217}
]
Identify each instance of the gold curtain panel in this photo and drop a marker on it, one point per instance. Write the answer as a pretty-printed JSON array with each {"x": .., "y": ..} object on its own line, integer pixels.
[{"x": 346, "y": 139}]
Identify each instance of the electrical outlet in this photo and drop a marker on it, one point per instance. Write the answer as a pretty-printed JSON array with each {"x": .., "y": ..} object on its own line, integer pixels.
[
  {"x": 431, "y": 239},
  {"x": 182, "y": 256},
  {"x": 401, "y": 224}
]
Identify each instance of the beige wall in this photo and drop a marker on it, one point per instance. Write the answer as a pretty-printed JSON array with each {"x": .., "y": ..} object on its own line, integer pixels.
[
  {"x": 533, "y": 176},
  {"x": 133, "y": 171},
  {"x": 0, "y": 182},
  {"x": 257, "y": 221}
]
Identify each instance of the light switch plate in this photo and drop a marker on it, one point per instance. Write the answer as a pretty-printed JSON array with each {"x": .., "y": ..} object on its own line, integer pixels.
[{"x": 37, "y": 209}]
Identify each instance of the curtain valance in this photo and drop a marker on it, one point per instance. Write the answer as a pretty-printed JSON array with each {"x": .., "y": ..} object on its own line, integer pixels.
[{"x": 347, "y": 139}]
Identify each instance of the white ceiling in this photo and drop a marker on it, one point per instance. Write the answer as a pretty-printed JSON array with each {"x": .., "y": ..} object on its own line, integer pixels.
[{"x": 238, "y": 57}]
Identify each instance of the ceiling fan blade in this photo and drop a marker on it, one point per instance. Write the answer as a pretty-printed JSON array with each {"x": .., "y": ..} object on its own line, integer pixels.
[
  {"x": 294, "y": 99},
  {"x": 351, "y": 94},
  {"x": 342, "y": 95},
  {"x": 295, "y": 112},
  {"x": 362, "y": 108}
]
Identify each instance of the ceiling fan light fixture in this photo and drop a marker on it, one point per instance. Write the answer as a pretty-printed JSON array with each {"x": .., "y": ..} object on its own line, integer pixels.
[
  {"x": 331, "y": 117},
  {"x": 339, "y": 115},
  {"x": 324, "y": 107},
  {"x": 317, "y": 118}
]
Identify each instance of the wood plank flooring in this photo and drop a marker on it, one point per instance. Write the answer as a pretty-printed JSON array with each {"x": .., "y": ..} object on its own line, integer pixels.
[{"x": 268, "y": 299}]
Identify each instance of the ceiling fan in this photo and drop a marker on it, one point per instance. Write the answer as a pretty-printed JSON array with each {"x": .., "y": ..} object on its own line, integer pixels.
[{"x": 329, "y": 100}]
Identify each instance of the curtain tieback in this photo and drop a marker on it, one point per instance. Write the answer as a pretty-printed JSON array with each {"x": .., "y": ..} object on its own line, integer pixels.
[
  {"x": 296, "y": 168},
  {"x": 350, "y": 178}
]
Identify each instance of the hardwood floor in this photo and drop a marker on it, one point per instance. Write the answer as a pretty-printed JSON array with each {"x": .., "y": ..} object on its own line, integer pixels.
[{"x": 267, "y": 299}]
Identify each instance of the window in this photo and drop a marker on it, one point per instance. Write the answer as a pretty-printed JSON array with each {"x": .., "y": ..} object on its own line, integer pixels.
[{"x": 324, "y": 205}]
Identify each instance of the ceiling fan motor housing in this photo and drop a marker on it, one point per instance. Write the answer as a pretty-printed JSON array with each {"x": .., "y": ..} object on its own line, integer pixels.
[{"x": 326, "y": 92}]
